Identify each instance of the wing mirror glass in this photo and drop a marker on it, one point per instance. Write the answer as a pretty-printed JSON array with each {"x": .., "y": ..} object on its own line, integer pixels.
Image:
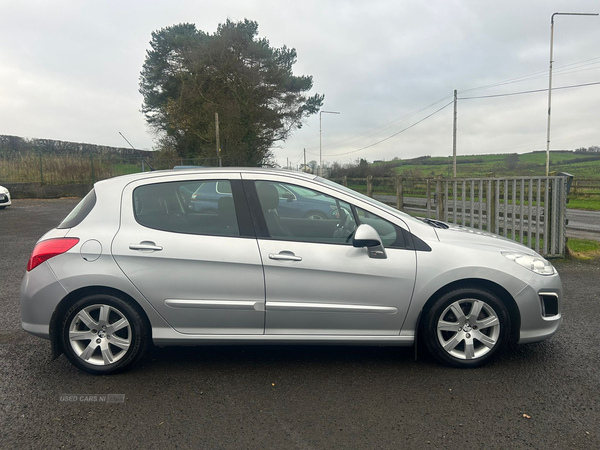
[{"x": 366, "y": 236}]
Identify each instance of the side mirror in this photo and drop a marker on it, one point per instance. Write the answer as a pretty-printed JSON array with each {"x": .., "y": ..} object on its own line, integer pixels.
[
  {"x": 288, "y": 196},
  {"x": 366, "y": 236}
]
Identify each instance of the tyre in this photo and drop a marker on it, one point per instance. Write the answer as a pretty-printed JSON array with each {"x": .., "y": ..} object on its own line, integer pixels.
[
  {"x": 103, "y": 334},
  {"x": 466, "y": 327}
]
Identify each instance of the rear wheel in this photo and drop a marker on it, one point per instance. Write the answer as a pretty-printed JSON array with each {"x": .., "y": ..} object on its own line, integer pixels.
[
  {"x": 103, "y": 334},
  {"x": 466, "y": 327}
]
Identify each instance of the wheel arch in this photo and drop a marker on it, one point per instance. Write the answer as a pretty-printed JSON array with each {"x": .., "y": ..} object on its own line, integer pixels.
[
  {"x": 77, "y": 294},
  {"x": 499, "y": 291}
]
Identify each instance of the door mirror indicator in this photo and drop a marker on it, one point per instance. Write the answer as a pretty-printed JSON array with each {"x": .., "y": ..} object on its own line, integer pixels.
[{"x": 367, "y": 236}]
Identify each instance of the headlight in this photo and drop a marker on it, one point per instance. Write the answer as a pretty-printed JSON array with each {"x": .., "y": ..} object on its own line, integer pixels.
[{"x": 536, "y": 264}]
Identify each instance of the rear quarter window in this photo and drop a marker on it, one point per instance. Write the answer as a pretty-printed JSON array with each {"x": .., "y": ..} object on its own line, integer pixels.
[{"x": 80, "y": 212}]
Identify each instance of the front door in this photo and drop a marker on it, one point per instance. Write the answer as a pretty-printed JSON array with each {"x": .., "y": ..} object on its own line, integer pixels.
[{"x": 317, "y": 282}]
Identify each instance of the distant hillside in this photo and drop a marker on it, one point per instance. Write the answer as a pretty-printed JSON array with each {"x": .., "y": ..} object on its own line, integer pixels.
[
  {"x": 15, "y": 144},
  {"x": 580, "y": 164}
]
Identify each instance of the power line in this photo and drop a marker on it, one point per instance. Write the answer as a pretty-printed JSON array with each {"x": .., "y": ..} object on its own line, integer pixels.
[
  {"x": 535, "y": 75},
  {"x": 530, "y": 92},
  {"x": 395, "y": 134},
  {"x": 361, "y": 136}
]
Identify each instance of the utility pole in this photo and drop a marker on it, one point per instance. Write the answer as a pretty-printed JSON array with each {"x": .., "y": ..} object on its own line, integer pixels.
[
  {"x": 550, "y": 79},
  {"x": 305, "y": 160},
  {"x": 287, "y": 164},
  {"x": 217, "y": 134},
  {"x": 454, "y": 135},
  {"x": 320, "y": 134}
]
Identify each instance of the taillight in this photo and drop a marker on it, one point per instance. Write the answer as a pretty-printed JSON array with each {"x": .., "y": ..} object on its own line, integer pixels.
[{"x": 49, "y": 249}]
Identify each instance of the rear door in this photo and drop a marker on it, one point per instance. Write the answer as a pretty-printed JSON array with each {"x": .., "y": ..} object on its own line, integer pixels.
[{"x": 200, "y": 270}]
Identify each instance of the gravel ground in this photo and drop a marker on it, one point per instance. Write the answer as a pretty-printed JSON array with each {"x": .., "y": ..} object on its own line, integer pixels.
[{"x": 544, "y": 395}]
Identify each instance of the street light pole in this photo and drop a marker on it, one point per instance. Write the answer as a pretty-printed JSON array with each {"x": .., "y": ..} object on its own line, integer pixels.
[
  {"x": 320, "y": 135},
  {"x": 550, "y": 80}
]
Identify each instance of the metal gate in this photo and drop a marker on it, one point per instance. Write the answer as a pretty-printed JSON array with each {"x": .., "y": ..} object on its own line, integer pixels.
[{"x": 529, "y": 210}]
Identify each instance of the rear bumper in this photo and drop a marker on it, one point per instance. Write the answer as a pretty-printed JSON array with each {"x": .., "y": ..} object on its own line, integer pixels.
[{"x": 40, "y": 295}]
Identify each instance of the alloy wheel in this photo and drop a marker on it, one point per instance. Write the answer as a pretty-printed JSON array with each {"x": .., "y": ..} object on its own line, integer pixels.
[
  {"x": 468, "y": 329},
  {"x": 100, "y": 334}
]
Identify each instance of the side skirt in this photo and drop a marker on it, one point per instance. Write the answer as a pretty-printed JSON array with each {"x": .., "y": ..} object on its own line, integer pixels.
[{"x": 166, "y": 337}]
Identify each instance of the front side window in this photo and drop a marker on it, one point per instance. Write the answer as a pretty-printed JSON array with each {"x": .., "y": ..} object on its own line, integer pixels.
[
  {"x": 297, "y": 213},
  {"x": 192, "y": 207}
]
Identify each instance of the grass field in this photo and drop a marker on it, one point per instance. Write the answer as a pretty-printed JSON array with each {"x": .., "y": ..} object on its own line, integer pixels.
[
  {"x": 581, "y": 165},
  {"x": 583, "y": 249}
]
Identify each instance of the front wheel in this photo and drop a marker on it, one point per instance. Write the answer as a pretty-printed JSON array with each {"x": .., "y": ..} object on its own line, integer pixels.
[
  {"x": 466, "y": 327},
  {"x": 103, "y": 334}
]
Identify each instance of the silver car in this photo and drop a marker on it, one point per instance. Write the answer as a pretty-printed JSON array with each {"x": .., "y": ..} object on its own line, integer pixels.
[{"x": 133, "y": 265}]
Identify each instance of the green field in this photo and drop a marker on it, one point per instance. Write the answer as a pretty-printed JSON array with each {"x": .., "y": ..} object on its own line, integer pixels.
[{"x": 581, "y": 165}]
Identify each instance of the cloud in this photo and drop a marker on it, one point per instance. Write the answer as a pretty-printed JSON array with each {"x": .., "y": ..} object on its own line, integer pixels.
[{"x": 70, "y": 70}]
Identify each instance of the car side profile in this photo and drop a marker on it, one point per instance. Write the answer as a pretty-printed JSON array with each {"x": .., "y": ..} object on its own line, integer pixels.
[{"x": 155, "y": 268}]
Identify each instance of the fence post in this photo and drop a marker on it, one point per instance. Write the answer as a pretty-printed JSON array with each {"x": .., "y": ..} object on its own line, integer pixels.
[
  {"x": 562, "y": 223},
  {"x": 493, "y": 202},
  {"x": 41, "y": 170},
  {"x": 439, "y": 201},
  {"x": 370, "y": 186},
  {"x": 550, "y": 216},
  {"x": 428, "y": 201},
  {"x": 143, "y": 166},
  {"x": 345, "y": 180},
  {"x": 92, "y": 166},
  {"x": 399, "y": 193}
]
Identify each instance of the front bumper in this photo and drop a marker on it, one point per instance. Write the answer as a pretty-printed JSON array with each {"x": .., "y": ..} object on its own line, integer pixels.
[{"x": 537, "y": 323}]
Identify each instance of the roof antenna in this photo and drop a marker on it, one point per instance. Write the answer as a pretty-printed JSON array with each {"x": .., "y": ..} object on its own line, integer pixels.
[{"x": 127, "y": 141}]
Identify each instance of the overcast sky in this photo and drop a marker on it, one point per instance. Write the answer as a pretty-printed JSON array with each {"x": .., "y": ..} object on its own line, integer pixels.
[{"x": 69, "y": 70}]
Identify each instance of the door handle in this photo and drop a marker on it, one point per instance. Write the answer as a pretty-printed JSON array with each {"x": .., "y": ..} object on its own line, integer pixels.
[
  {"x": 145, "y": 246},
  {"x": 285, "y": 256}
]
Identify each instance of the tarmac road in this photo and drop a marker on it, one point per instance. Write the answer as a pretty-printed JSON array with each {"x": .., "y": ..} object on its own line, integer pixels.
[
  {"x": 586, "y": 221},
  {"x": 297, "y": 396}
]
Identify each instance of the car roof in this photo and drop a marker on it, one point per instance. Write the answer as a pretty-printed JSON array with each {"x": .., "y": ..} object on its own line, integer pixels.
[{"x": 125, "y": 179}]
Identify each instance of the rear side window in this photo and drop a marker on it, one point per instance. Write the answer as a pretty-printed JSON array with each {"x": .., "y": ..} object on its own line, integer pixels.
[
  {"x": 80, "y": 212},
  {"x": 200, "y": 207}
]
